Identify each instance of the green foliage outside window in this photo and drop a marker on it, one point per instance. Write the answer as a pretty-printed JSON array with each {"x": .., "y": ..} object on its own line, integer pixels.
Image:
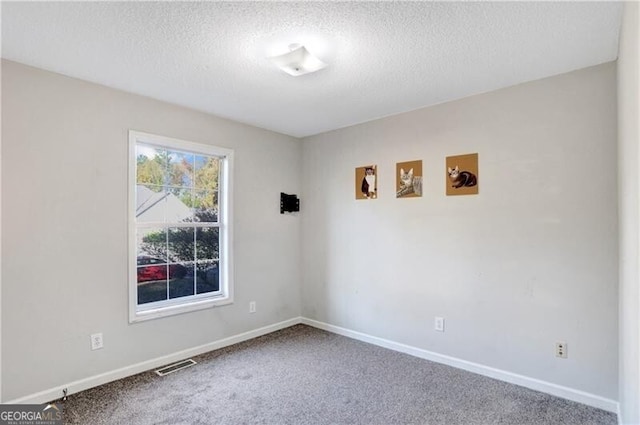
[{"x": 194, "y": 180}]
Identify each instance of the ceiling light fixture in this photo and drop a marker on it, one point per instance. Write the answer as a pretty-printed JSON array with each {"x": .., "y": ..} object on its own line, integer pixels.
[{"x": 298, "y": 61}]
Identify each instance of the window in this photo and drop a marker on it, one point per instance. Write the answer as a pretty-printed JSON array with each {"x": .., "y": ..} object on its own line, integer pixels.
[{"x": 179, "y": 226}]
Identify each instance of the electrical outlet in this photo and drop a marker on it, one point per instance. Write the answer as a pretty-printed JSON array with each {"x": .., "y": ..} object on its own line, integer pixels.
[
  {"x": 252, "y": 307},
  {"x": 439, "y": 324},
  {"x": 96, "y": 341},
  {"x": 561, "y": 350}
]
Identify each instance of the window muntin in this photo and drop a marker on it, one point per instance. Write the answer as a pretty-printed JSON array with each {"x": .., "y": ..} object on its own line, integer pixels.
[{"x": 180, "y": 226}]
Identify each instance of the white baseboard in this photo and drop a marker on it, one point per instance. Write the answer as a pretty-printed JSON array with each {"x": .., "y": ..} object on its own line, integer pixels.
[
  {"x": 103, "y": 378},
  {"x": 513, "y": 378},
  {"x": 619, "y": 415},
  {"x": 532, "y": 383}
]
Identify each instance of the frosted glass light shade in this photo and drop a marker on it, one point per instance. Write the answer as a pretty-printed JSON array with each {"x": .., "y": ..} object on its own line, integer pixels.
[{"x": 298, "y": 61}]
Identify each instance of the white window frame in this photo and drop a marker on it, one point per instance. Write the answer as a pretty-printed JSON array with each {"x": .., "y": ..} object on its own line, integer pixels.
[{"x": 225, "y": 216}]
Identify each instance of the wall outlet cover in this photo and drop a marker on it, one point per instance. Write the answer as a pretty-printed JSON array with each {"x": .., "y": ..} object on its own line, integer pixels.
[
  {"x": 96, "y": 341},
  {"x": 438, "y": 324},
  {"x": 562, "y": 350}
]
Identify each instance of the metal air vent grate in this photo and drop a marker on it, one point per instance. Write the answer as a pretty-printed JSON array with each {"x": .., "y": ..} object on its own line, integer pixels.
[{"x": 175, "y": 367}]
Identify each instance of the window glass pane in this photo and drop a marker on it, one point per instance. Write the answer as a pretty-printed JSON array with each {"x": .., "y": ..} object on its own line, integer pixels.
[
  {"x": 151, "y": 203},
  {"x": 207, "y": 243},
  {"x": 180, "y": 168},
  {"x": 152, "y": 246},
  {"x": 179, "y": 205},
  {"x": 152, "y": 283},
  {"x": 181, "y": 244},
  {"x": 181, "y": 279},
  {"x": 177, "y": 184},
  {"x": 207, "y": 277},
  {"x": 206, "y": 206},
  {"x": 151, "y": 165},
  {"x": 207, "y": 172}
]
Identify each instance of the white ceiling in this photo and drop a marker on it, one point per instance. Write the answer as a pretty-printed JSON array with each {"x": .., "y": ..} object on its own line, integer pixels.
[{"x": 384, "y": 57}]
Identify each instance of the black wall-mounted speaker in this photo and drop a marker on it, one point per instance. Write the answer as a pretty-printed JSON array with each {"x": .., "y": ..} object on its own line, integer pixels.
[{"x": 289, "y": 203}]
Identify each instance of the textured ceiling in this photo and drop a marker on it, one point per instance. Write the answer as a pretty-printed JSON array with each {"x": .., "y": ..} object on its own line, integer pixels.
[{"x": 384, "y": 57}]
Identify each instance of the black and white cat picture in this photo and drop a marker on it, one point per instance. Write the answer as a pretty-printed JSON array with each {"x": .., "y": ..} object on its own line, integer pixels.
[{"x": 369, "y": 188}]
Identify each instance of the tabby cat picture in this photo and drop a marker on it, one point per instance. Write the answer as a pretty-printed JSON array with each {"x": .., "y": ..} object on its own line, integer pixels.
[
  {"x": 409, "y": 184},
  {"x": 461, "y": 178}
]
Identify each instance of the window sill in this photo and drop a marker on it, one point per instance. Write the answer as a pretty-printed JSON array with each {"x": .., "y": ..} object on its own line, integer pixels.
[{"x": 156, "y": 313}]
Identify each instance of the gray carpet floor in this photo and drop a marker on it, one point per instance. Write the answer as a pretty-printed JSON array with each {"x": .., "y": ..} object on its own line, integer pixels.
[{"x": 302, "y": 375}]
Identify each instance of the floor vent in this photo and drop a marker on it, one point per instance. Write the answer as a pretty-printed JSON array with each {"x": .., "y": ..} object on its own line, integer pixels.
[{"x": 175, "y": 367}]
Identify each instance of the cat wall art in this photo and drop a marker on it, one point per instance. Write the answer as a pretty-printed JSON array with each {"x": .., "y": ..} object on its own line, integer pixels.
[
  {"x": 462, "y": 174},
  {"x": 409, "y": 179},
  {"x": 367, "y": 182}
]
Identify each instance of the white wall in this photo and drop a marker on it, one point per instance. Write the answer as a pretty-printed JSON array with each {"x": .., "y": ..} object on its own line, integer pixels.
[
  {"x": 64, "y": 221},
  {"x": 529, "y": 261},
  {"x": 629, "y": 211}
]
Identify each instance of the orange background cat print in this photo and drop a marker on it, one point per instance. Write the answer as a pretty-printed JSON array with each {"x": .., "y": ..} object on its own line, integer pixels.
[
  {"x": 409, "y": 179},
  {"x": 461, "y": 174},
  {"x": 367, "y": 182}
]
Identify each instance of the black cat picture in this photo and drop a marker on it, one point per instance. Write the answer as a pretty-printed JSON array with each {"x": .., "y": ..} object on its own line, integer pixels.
[
  {"x": 462, "y": 174},
  {"x": 461, "y": 178}
]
